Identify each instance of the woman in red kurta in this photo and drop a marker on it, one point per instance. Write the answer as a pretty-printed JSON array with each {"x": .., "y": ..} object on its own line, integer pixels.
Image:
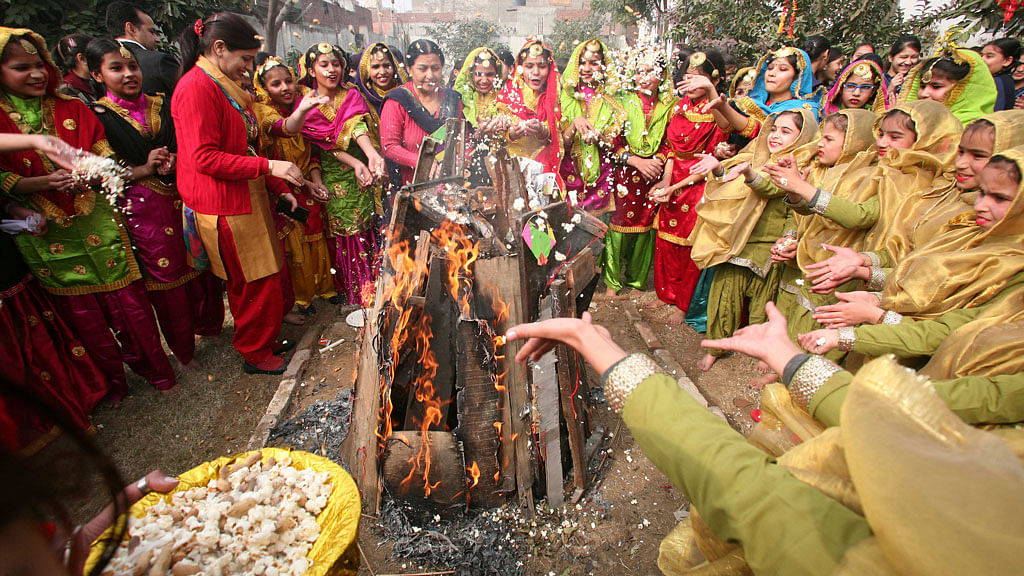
[
  {"x": 418, "y": 108},
  {"x": 690, "y": 132},
  {"x": 225, "y": 183}
]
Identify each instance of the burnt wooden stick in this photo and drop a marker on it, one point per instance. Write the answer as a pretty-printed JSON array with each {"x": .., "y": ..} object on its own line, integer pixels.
[
  {"x": 444, "y": 317},
  {"x": 547, "y": 395},
  {"x": 360, "y": 448},
  {"x": 478, "y": 411},
  {"x": 447, "y": 466},
  {"x": 497, "y": 167},
  {"x": 502, "y": 275},
  {"x": 571, "y": 394}
]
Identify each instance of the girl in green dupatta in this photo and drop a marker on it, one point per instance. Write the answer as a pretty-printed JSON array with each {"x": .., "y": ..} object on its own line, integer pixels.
[
  {"x": 591, "y": 120},
  {"x": 647, "y": 101},
  {"x": 956, "y": 77},
  {"x": 479, "y": 82}
]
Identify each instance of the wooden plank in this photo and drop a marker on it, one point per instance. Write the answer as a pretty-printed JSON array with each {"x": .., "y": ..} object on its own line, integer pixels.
[
  {"x": 447, "y": 474},
  {"x": 580, "y": 271},
  {"x": 502, "y": 275},
  {"x": 425, "y": 162},
  {"x": 547, "y": 393},
  {"x": 477, "y": 400},
  {"x": 571, "y": 385},
  {"x": 444, "y": 317}
]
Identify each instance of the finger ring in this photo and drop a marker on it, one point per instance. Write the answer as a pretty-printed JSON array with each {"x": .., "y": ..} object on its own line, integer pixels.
[
  {"x": 143, "y": 486},
  {"x": 784, "y": 181}
]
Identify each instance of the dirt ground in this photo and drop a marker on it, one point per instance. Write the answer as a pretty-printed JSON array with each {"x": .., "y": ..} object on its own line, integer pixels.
[{"x": 615, "y": 529}]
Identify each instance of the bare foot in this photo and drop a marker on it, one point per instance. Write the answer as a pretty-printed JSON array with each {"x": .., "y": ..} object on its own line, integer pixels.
[
  {"x": 676, "y": 318},
  {"x": 763, "y": 368},
  {"x": 610, "y": 293},
  {"x": 760, "y": 383},
  {"x": 655, "y": 304},
  {"x": 707, "y": 362},
  {"x": 295, "y": 319}
]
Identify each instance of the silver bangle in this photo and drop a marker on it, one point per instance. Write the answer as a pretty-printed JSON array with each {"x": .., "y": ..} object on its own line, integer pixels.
[
  {"x": 821, "y": 202},
  {"x": 621, "y": 379},
  {"x": 847, "y": 337},
  {"x": 878, "y": 278},
  {"x": 812, "y": 375},
  {"x": 142, "y": 485},
  {"x": 873, "y": 257}
]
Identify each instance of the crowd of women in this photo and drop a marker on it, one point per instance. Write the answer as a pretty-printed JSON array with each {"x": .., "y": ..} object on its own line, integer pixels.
[{"x": 869, "y": 207}]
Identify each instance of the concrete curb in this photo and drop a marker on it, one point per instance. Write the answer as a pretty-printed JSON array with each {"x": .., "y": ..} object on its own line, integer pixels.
[
  {"x": 665, "y": 357},
  {"x": 279, "y": 403}
]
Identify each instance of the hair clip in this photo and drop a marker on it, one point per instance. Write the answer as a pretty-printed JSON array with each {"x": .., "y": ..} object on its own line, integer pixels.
[
  {"x": 198, "y": 27},
  {"x": 125, "y": 53},
  {"x": 324, "y": 48},
  {"x": 863, "y": 70},
  {"x": 697, "y": 58},
  {"x": 536, "y": 50}
]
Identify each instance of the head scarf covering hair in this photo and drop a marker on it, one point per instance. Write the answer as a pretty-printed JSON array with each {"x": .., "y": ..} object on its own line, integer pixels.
[
  {"x": 644, "y": 133},
  {"x": 843, "y": 179},
  {"x": 971, "y": 97},
  {"x": 471, "y": 99},
  {"x": 571, "y": 75},
  {"x": 308, "y": 61},
  {"x": 963, "y": 267},
  {"x": 865, "y": 68},
  {"x": 522, "y": 102},
  {"x": 904, "y": 176},
  {"x": 261, "y": 71},
  {"x": 374, "y": 95},
  {"x": 729, "y": 212},
  {"x": 801, "y": 91},
  {"x": 746, "y": 74},
  {"x": 30, "y": 39},
  {"x": 295, "y": 149}
]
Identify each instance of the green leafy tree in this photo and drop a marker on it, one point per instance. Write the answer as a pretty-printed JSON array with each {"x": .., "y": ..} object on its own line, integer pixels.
[
  {"x": 55, "y": 18},
  {"x": 458, "y": 38},
  {"x": 568, "y": 33},
  {"x": 746, "y": 29},
  {"x": 985, "y": 16}
]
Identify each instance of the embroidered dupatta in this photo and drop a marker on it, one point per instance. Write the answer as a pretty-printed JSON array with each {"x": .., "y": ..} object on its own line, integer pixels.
[{"x": 521, "y": 101}]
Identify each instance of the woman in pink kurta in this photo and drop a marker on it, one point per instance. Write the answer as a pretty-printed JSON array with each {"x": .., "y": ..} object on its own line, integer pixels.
[{"x": 417, "y": 109}]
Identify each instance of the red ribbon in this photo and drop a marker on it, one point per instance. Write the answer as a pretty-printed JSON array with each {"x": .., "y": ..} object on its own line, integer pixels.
[
  {"x": 1009, "y": 7},
  {"x": 198, "y": 27}
]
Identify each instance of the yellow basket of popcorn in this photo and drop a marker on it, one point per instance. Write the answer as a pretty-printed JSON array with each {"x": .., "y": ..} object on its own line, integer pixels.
[{"x": 269, "y": 511}]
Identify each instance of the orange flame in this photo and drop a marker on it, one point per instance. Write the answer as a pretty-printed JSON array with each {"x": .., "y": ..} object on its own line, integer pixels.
[
  {"x": 461, "y": 252},
  {"x": 474, "y": 475}
]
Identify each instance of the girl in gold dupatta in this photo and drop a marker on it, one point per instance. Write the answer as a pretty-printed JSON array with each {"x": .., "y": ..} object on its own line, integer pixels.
[
  {"x": 833, "y": 216},
  {"x": 479, "y": 82},
  {"x": 949, "y": 207},
  {"x": 737, "y": 228},
  {"x": 979, "y": 333}
]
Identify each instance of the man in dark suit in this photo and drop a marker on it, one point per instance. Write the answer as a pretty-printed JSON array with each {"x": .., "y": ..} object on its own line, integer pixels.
[{"x": 136, "y": 31}]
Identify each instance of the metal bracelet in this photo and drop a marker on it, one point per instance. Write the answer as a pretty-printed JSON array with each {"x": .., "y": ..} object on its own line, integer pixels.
[
  {"x": 891, "y": 317},
  {"x": 878, "y": 278},
  {"x": 873, "y": 257},
  {"x": 812, "y": 375},
  {"x": 821, "y": 201},
  {"x": 621, "y": 379},
  {"x": 847, "y": 337}
]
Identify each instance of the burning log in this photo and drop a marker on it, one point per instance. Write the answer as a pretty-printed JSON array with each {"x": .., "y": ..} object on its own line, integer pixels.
[{"x": 442, "y": 413}]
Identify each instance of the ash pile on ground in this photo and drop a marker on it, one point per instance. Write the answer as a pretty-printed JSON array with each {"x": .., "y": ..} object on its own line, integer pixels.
[
  {"x": 320, "y": 429},
  {"x": 474, "y": 543},
  {"x": 500, "y": 541}
]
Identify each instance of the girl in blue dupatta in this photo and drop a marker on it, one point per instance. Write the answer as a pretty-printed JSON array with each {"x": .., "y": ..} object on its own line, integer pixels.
[{"x": 784, "y": 81}]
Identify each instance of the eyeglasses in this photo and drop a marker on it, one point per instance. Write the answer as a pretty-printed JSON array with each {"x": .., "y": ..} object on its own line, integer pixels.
[{"x": 858, "y": 87}]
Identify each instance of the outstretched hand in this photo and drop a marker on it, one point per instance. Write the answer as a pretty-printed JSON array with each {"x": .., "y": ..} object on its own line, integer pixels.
[
  {"x": 768, "y": 342},
  {"x": 592, "y": 341}
]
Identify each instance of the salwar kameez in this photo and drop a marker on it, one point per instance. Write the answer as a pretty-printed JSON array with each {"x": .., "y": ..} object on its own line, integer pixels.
[
  {"x": 349, "y": 224},
  {"x": 85, "y": 258},
  {"x": 153, "y": 212},
  {"x": 689, "y": 132}
]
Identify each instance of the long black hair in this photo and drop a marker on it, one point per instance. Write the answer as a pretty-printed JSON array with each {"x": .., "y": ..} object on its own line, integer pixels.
[
  {"x": 32, "y": 489},
  {"x": 68, "y": 48},
  {"x": 231, "y": 28}
]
